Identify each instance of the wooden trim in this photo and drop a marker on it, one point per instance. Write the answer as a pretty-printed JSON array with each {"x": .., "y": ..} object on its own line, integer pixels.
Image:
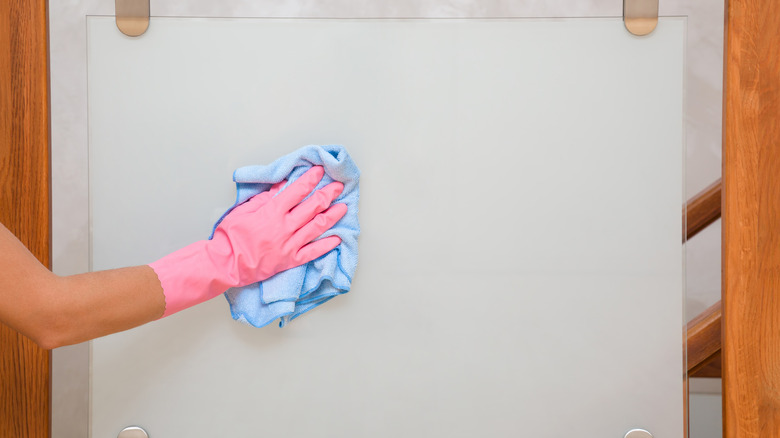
[
  {"x": 703, "y": 209},
  {"x": 704, "y": 334},
  {"x": 751, "y": 220},
  {"x": 25, "y": 207}
]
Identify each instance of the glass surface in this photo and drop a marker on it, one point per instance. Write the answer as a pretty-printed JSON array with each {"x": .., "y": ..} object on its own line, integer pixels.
[{"x": 520, "y": 270}]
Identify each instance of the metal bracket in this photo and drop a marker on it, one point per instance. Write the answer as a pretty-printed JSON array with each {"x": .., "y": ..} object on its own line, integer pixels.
[
  {"x": 132, "y": 16},
  {"x": 639, "y": 16},
  {"x": 133, "y": 432},
  {"x": 638, "y": 433}
]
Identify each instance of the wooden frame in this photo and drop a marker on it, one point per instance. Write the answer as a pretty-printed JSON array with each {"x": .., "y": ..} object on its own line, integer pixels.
[
  {"x": 751, "y": 213},
  {"x": 25, "y": 207}
]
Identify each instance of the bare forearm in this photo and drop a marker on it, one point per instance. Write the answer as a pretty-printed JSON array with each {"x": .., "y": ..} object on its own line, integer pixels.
[
  {"x": 100, "y": 303},
  {"x": 56, "y": 311}
]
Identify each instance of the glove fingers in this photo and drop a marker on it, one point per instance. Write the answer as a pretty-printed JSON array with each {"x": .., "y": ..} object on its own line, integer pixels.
[
  {"x": 317, "y": 226},
  {"x": 300, "y": 188},
  {"x": 317, "y": 249},
  {"x": 260, "y": 199},
  {"x": 316, "y": 204}
]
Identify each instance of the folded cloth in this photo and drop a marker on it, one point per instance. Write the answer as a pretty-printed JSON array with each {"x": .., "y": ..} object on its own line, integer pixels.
[{"x": 295, "y": 291}]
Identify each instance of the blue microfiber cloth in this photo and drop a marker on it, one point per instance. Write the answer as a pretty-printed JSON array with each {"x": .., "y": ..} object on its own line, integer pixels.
[{"x": 295, "y": 291}]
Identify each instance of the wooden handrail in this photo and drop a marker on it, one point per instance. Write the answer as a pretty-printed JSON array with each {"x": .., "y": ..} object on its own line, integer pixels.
[
  {"x": 703, "y": 209},
  {"x": 711, "y": 368},
  {"x": 704, "y": 331},
  {"x": 704, "y": 340}
]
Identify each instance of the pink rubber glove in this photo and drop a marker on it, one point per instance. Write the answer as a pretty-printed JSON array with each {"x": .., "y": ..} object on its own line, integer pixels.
[{"x": 271, "y": 232}]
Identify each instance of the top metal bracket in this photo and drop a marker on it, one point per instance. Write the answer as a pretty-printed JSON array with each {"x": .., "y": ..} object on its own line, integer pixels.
[
  {"x": 639, "y": 16},
  {"x": 132, "y": 16}
]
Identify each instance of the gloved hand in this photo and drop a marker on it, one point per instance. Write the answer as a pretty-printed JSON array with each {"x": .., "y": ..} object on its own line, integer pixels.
[{"x": 271, "y": 232}]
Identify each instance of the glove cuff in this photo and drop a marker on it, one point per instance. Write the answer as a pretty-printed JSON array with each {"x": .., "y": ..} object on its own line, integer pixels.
[{"x": 190, "y": 276}]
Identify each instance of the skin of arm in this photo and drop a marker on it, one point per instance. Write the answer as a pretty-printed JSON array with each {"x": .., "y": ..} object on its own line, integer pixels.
[{"x": 55, "y": 311}]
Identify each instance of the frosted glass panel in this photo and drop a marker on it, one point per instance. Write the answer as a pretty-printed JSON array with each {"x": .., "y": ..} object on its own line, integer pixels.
[{"x": 520, "y": 270}]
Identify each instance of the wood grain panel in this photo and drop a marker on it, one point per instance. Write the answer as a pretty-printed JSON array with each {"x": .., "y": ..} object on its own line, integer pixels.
[
  {"x": 703, "y": 209},
  {"x": 24, "y": 202},
  {"x": 751, "y": 220}
]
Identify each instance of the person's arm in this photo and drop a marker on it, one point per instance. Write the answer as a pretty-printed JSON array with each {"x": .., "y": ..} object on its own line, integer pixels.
[
  {"x": 55, "y": 311},
  {"x": 271, "y": 232}
]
